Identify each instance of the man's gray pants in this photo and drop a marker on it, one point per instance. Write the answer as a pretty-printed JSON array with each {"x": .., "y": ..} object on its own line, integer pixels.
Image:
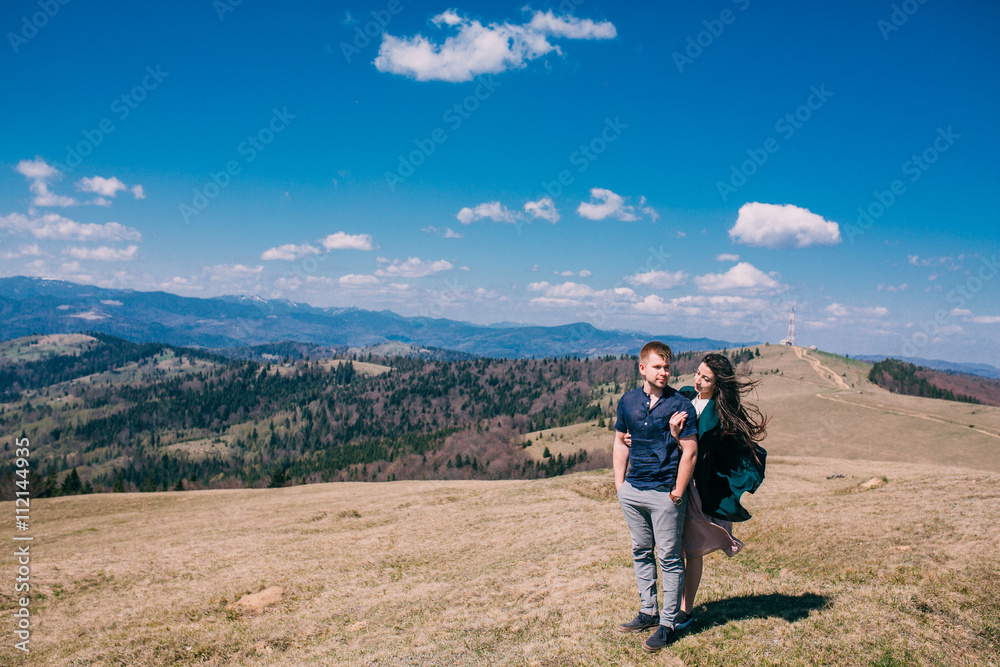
[{"x": 655, "y": 523}]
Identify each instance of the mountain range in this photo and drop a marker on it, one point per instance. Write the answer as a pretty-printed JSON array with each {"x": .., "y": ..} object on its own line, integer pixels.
[{"x": 41, "y": 306}]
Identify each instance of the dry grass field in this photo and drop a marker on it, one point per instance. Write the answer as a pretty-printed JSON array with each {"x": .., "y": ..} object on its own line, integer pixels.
[
  {"x": 871, "y": 544},
  {"x": 514, "y": 573}
]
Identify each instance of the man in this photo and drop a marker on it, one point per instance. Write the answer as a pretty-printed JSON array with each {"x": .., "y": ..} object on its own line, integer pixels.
[{"x": 652, "y": 493}]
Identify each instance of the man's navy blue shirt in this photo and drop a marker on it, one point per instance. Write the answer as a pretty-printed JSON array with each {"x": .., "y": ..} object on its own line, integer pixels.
[{"x": 654, "y": 454}]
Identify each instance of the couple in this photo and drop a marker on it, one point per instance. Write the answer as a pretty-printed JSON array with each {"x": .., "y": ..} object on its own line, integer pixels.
[{"x": 689, "y": 453}]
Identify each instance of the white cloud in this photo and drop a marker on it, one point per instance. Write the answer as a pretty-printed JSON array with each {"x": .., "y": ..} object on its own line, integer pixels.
[
  {"x": 892, "y": 288},
  {"x": 60, "y": 270},
  {"x": 106, "y": 187},
  {"x": 571, "y": 27},
  {"x": 782, "y": 226},
  {"x": 727, "y": 257},
  {"x": 54, "y": 226},
  {"x": 495, "y": 211},
  {"x": 477, "y": 49},
  {"x": 839, "y": 311},
  {"x": 967, "y": 316},
  {"x": 39, "y": 173},
  {"x": 37, "y": 169},
  {"x": 721, "y": 310},
  {"x": 103, "y": 253},
  {"x": 654, "y": 305},
  {"x": 603, "y": 204},
  {"x": 414, "y": 267},
  {"x": 948, "y": 262},
  {"x": 448, "y": 232},
  {"x": 574, "y": 294},
  {"x": 544, "y": 208},
  {"x": 583, "y": 273},
  {"x": 342, "y": 241},
  {"x": 24, "y": 251},
  {"x": 355, "y": 280},
  {"x": 606, "y": 204},
  {"x": 221, "y": 279},
  {"x": 179, "y": 283},
  {"x": 290, "y": 252},
  {"x": 743, "y": 277},
  {"x": 232, "y": 271},
  {"x": 659, "y": 279}
]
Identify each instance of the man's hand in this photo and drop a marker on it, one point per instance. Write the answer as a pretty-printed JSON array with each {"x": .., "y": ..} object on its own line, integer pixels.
[
  {"x": 619, "y": 458},
  {"x": 627, "y": 439}
]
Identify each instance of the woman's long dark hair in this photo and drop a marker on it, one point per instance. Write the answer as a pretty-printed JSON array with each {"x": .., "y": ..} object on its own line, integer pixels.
[{"x": 737, "y": 418}]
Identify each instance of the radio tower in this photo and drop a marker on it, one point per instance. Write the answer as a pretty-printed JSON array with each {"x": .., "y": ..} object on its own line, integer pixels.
[{"x": 790, "y": 338}]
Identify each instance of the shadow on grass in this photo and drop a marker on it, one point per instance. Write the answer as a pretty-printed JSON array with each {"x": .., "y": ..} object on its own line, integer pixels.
[{"x": 789, "y": 607}]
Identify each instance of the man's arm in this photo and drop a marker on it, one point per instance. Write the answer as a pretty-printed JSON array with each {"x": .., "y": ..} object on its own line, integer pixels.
[
  {"x": 685, "y": 468},
  {"x": 620, "y": 457}
]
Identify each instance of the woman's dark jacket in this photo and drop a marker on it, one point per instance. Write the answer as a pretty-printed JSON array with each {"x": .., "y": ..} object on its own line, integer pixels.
[{"x": 726, "y": 468}]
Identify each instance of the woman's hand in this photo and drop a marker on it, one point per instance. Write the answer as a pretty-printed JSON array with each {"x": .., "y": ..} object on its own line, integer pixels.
[
  {"x": 628, "y": 439},
  {"x": 677, "y": 424}
]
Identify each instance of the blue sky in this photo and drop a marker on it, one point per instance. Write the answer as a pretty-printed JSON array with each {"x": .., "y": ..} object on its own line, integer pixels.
[{"x": 692, "y": 170}]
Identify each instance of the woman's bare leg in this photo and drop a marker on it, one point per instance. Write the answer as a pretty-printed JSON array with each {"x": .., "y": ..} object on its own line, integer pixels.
[{"x": 692, "y": 579}]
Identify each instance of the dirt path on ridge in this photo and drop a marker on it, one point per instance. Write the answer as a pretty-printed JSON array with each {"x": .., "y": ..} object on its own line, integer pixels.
[{"x": 821, "y": 370}]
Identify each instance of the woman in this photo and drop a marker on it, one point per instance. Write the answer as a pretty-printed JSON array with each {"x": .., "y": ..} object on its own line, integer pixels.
[{"x": 730, "y": 462}]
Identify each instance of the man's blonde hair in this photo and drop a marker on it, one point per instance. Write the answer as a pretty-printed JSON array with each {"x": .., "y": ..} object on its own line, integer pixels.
[{"x": 655, "y": 347}]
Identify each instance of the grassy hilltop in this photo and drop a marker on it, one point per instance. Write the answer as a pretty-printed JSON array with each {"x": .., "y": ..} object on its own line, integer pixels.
[{"x": 871, "y": 544}]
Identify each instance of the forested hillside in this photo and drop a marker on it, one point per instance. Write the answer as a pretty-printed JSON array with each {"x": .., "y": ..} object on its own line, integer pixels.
[
  {"x": 901, "y": 377},
  {"x": 113, "y": 415}
]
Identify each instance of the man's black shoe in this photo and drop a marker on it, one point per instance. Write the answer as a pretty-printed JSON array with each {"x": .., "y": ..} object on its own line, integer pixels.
[
  {"x": 640, "y": 623},
  {"x": 662, "y": 637}
]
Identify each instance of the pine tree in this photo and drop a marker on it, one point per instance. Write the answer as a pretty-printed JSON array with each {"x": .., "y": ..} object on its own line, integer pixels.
[{"x": 72, "y": 484}]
